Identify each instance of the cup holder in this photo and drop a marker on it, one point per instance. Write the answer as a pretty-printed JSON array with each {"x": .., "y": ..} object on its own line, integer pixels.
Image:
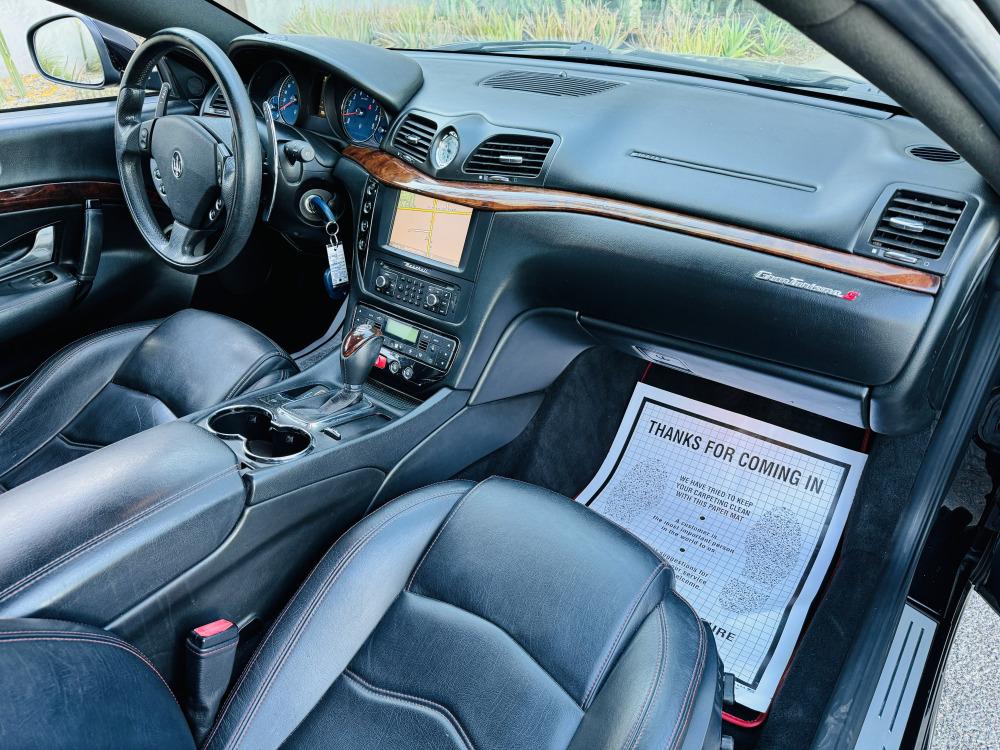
[{"x": 263, "y": 440}]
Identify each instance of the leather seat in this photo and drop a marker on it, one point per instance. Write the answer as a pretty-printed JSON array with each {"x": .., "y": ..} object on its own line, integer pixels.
[
  {"x": 495, "y": 615},
  {"x": 116, "y": 383}
]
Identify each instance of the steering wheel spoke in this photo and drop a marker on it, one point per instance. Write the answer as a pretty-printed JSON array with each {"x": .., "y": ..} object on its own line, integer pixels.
[
  {"x": 186, "y": 245},
  {"x": 210, "y": 177}
]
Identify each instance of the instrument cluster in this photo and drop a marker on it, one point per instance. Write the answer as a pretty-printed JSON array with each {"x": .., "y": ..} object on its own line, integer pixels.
[
  {"x": 316, "y": 101},
  {"x": 355, "y": 113}
]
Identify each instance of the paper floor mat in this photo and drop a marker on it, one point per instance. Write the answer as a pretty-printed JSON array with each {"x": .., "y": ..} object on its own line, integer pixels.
[{"x": 748, "y": 514}]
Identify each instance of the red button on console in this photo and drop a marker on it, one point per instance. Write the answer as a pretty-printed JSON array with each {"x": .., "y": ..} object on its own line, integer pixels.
[{"x": 380, "y": 361}]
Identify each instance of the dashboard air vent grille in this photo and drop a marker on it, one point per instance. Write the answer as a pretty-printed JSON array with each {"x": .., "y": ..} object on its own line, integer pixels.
[
  {"x": 218, "y": 105},
  {"x": 917, "y": 223},
  {"x": 510, "y": 155},
  {"x": 933, "y": 153},
  {"x": 550, "y": 84},
  {"x": 414, "y": 136}
]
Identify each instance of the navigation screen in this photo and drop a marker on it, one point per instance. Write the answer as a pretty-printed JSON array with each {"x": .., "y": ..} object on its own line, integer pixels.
[{"x": 430, "y": 228}]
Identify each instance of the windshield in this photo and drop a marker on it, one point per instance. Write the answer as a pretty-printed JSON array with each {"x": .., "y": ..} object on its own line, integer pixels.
[{"x": 728, "y": 38}]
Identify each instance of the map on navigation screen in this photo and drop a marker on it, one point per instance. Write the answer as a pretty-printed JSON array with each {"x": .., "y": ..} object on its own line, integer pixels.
[{"x": 430, "y": 228}]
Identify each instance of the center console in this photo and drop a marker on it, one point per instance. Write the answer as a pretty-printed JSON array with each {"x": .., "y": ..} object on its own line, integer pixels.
[{"x": 418, "y": 259}]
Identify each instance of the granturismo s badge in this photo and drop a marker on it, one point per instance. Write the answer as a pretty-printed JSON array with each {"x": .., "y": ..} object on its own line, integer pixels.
[{"x": 807, "y": 286}]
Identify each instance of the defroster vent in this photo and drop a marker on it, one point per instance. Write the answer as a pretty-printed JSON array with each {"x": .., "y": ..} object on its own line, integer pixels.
[{"x": 550, "y": 84}]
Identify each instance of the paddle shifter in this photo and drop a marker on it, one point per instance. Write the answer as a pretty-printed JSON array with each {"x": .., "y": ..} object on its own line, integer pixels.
[{"x": 357, "y": 355}]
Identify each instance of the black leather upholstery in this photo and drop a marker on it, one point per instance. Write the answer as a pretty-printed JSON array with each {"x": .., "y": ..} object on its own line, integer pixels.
[
  {"x": 124, "y": 380},
  {"x": 481, "y": 616},
  {"x": 66, "y": 685},
  {"x": 489, "y": 616},
  {"x": 90, "y": 539}
]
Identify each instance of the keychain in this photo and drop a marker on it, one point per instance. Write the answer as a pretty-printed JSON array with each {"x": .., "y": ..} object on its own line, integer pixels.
[
  {"x": 335, "y": 277},
  {"x": 335, "y": 255}
]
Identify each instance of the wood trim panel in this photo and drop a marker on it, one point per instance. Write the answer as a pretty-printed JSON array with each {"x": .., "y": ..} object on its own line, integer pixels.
[
  {"x": 56, "y": 193},
  {"x": 492, "y": 197}
]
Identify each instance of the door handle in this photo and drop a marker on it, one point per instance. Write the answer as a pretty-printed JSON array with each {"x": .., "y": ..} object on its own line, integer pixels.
[{"x": 28, "y": 250}]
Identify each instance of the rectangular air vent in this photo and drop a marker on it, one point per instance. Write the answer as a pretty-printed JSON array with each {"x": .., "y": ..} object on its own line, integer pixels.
[
  {"x": 550, "y": 84},
  {"x": 414, "y": 136},
  {"x": 510, "y": 156},
  {"x": 917, "y": 223},
  {"x": 218, "y": 105}
]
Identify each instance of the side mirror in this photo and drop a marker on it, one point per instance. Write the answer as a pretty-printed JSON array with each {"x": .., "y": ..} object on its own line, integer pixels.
[{"x": 79, "y": 51}]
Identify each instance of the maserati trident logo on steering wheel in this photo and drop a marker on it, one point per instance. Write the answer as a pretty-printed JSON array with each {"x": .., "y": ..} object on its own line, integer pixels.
[{"x": 177, "y": 164}]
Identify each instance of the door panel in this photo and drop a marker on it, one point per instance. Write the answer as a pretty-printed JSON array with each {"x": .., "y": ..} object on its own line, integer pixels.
[
  {"x": 78, "y": 145},
  {"x": 58, "y": 177}
]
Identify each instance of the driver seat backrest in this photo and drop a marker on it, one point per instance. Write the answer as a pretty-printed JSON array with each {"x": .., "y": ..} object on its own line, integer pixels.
[{"x": 116, "y": 383}]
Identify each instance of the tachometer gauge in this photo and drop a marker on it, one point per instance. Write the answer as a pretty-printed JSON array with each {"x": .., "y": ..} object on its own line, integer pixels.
[
  {"x": 446, "y": 149},
  {"x": 285, "y": 103},
  {"x": 363, "y": 118}
]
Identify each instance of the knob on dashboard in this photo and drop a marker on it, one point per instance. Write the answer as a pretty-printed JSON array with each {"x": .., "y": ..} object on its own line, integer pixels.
[
  {"x": 432, "y": 299},
  {"x": 381, "y": 282},
  {"x": 407, "y": 373}
]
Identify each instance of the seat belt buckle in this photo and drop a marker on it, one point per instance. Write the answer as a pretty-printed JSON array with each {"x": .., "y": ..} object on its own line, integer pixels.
[{"x": 210, "y": 652}]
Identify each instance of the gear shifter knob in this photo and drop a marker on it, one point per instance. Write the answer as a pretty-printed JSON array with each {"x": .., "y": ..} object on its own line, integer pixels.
[{"x": 357, "y": 355}]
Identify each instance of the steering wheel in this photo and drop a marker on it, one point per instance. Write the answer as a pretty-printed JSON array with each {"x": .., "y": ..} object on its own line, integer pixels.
[{"x": 206, "y": 170}]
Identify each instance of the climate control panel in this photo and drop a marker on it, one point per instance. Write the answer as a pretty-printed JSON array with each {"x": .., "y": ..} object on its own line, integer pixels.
[{"x": 410, "y": 355}]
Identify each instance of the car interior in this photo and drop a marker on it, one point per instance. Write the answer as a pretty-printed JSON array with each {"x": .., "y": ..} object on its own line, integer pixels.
[{"x": 310, "y": 345}]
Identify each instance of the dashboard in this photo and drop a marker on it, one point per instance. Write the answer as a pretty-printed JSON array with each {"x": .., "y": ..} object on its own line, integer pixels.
[{"x": 764, "y": 239}]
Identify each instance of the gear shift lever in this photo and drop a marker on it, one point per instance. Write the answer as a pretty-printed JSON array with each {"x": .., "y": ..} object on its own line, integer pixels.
[{"x": 357, "y": 355}]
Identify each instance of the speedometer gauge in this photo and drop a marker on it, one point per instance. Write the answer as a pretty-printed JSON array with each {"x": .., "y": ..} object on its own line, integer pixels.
[
  {"x": 363, "y": 118},
  {"x": 285, "y": 101}
]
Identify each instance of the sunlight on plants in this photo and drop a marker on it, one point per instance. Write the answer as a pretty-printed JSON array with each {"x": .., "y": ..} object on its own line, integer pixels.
[{"x": 732, "y": 28}]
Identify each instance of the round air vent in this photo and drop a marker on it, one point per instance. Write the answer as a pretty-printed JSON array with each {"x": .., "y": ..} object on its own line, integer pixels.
[{"x": 933, "y": 153}]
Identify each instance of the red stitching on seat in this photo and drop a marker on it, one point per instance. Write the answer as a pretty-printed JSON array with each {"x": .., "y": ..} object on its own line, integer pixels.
[
  {"x": 621, "y": 631},
  {"x": 87, "y": 638},
  {"x": 300, "y": 627},
  {"x": 37, "y": 575},
  {"x": 646, "y": 709},
  {"x": 426, "y": 702},
  {"x": 695, "y": 680}
]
